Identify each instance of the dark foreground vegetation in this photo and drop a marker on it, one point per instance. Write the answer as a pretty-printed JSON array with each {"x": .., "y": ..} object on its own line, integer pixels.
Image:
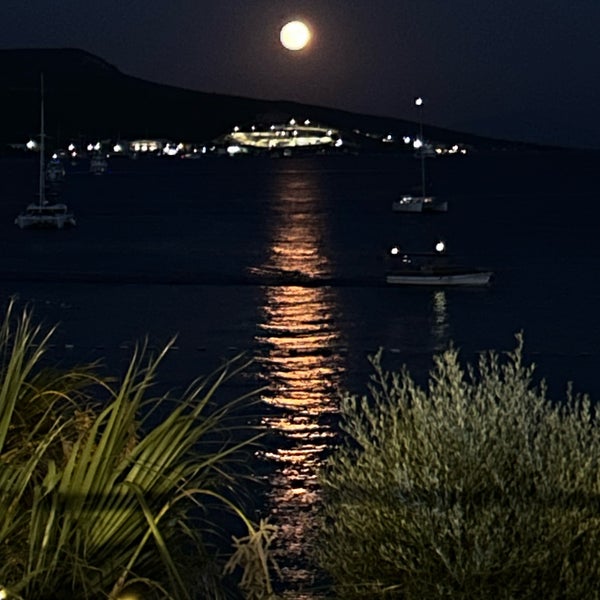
[
  {"x": 107, "y": 489},
  {"x": 476, "y": 487}
]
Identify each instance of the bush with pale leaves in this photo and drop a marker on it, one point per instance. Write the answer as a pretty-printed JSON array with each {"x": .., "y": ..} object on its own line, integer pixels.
[{"x": 476, "y": 487}]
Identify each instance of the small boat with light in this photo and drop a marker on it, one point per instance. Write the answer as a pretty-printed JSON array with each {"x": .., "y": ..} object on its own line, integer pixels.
[{"x": 433, "y": 269}]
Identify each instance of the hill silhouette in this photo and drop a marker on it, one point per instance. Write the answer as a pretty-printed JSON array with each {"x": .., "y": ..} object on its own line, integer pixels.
[{"x": 86, "y": 97}]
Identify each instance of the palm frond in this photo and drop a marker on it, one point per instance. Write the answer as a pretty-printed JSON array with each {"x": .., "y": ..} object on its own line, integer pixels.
[{"x": 100, "y": 495}]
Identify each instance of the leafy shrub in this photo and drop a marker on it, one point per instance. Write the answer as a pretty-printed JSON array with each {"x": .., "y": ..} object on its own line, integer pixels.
[{"x": 477, "y": 487}]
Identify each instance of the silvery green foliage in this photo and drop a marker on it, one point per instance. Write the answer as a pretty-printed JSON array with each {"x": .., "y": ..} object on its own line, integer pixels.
[{"x": 477, "y": 487}]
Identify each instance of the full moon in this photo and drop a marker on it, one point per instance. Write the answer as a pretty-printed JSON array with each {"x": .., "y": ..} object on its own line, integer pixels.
[{"x": 294, "y": 35}]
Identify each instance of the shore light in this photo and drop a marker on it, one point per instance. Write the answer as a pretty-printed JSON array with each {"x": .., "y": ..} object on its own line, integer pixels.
[{"x": 440, "y": 247}]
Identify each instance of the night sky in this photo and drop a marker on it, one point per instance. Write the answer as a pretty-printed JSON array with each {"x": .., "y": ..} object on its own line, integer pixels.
[{"x": 517, "y": 69}]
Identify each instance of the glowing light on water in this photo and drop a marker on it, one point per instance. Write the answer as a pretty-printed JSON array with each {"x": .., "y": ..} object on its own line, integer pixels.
[
  {"x": 440, "y": 322},
  {"x": 302, "y": 365}
]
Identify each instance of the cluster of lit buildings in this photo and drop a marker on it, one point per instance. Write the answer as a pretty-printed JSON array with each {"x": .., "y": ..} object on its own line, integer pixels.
[{"x": 287, "y": 138}]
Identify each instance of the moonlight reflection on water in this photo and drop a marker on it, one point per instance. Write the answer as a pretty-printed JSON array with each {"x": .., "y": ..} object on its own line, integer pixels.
[{"x": 303, "y": 365}]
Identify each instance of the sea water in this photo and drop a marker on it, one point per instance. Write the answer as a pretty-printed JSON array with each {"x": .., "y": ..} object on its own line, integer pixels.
[{"x": 285, "y": 260}]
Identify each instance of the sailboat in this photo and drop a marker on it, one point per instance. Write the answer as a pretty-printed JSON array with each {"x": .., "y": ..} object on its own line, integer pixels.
[
  {"x": 422, "y": 202},
  {"x": 42, "y": 214}
]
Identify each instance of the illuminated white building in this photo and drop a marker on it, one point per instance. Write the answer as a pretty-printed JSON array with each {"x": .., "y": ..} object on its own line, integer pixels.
[
  {"x": 149, "y": 145},
  {"x": 282, "y": 136}
]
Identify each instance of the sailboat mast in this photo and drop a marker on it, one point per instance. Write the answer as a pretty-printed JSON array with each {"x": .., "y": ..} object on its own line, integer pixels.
[
  {"x": 422, "y": 172},
  {"x": 42, "y": 145},
  {"x": 419, "y": 105}
]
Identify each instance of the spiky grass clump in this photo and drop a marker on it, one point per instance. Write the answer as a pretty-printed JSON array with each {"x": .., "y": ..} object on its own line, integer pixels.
[
  {"x": 98, "y": 498},
  {"x": 478, "y": 487}
]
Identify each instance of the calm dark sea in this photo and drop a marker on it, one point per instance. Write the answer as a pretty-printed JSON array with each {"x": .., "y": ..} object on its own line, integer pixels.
[{"x": 218, "y": 251}]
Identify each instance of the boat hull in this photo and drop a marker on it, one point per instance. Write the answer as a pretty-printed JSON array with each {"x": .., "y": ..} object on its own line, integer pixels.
[
  {"x": 25, "y": 222},
  {"x": 479, "y": 278},
  {"x": 48, "y": 216}
]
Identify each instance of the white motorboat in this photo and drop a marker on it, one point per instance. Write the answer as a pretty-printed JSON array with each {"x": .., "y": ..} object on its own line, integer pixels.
[
  {"x": 441, "y": 277},
  {"x": 42, "y": 214},
  {"x": 433, "y": 269}
]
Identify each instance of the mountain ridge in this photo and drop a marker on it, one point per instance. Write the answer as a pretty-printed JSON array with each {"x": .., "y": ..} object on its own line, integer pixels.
[{"x": 88, "y": 97}]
